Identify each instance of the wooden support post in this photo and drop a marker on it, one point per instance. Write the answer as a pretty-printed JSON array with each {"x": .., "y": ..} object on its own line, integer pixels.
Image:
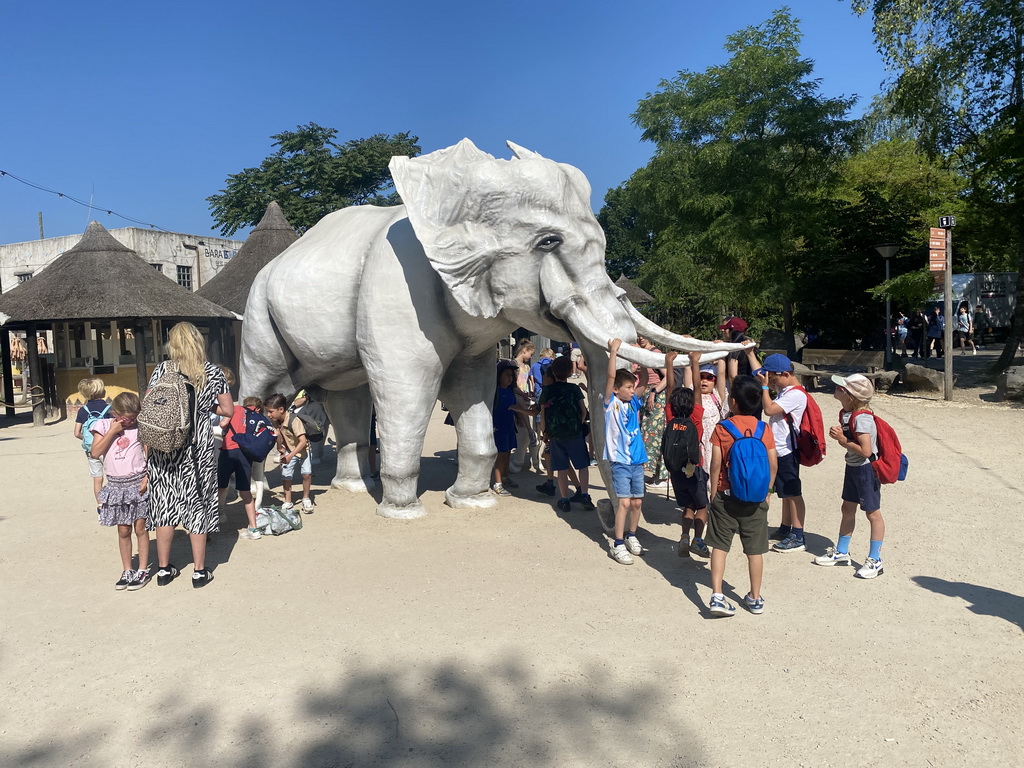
[
  {"x": 39, "y": 410},
  {"x": 8, "y": 378},
  {"x": 140, "y": 356}
]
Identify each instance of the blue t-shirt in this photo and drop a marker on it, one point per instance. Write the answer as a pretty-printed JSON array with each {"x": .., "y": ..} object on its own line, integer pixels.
[
  {"x": 537, "y": 375},
  {"x": 623, "y": 442},
  {"x": 504, "y": 419}
]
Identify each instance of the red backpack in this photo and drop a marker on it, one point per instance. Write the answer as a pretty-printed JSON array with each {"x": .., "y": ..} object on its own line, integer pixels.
[
  {"x": 810, "y": 437},
  {"x": 890, "y": 464}
]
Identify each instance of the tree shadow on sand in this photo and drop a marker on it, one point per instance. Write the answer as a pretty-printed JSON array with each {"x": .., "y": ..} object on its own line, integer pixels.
[
  {"x": 407, "y": 715},
  {"x": 985, "y": 601}
]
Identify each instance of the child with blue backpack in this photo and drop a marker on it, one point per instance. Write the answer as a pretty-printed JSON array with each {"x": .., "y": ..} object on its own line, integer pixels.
[
  {"x": 234, "y": 460},
  {"x": 94, "y": 394},
  {"x": 743, "y": 466}
]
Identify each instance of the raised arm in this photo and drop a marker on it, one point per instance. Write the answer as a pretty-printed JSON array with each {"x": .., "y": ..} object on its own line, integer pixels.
[
  {"x": 670, "y": 371},
  {"x": 613, "y": 352},
  {"x": 693, "y": 372}
]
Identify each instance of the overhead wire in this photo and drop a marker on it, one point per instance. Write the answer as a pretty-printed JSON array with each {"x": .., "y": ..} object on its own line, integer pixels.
[{"x": 66, "y": 196}]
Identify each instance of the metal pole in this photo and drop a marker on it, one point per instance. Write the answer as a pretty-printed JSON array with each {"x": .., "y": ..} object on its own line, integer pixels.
[
  {"x": 947, "y": 337},
  {"x": 888, "y": 323}
]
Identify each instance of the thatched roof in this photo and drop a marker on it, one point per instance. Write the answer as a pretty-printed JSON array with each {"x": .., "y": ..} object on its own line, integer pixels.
[
  {"x": 230, "y": 287},
  {"x": 101, "y": 279},
  {"x": 634, "y": 292}
]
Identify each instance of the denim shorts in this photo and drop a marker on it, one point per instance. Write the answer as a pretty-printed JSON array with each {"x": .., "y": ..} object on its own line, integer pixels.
[
  {"x": 287, "y": 470},
  {"x": 572, "y": 451},
  {"x": 628, "y": 480}
]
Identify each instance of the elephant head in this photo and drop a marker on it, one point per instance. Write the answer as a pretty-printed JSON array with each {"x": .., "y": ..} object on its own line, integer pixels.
[{"x": 517, "y": 239}]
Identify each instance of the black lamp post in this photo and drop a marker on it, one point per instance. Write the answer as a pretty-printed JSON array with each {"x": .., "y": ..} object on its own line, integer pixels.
[{"x": 887, "y": 251}]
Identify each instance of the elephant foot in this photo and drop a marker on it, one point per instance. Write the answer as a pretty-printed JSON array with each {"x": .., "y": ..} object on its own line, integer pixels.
[
  {"x": 408, "y": 512},
  {"x": 355, "y": 484},
  {"x": 484, "y": 500},
  {"x": 606, "y": 515}
]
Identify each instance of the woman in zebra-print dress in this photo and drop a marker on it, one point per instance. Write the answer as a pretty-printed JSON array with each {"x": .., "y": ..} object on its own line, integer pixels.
[{"x": 183, "y": 484}]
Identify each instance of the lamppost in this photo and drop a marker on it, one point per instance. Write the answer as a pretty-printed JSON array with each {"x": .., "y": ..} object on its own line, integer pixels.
[{"x": 887, "y": 251}]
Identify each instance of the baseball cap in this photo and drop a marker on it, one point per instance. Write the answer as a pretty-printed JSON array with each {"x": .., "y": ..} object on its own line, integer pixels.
[
  {"x": 775, "y": 363},
  {"x": 710, "y": 370},
  {"x": 737, "y": 324},
  {"x": 857, "y": 385}
]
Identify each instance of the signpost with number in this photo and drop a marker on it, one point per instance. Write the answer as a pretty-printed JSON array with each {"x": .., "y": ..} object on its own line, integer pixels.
[{"x": 940, "y": 262}]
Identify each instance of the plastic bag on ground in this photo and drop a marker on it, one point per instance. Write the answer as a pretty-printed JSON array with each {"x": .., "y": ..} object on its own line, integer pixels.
[{"x": 275, "y": 520}]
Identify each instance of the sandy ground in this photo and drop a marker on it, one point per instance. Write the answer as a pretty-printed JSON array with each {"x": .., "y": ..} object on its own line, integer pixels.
[{"x": 509, "y": 637}]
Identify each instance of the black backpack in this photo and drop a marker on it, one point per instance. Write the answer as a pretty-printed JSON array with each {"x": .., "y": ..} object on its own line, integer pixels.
[
  {"x": 680, "y": 445},
  {"x": 314, "y": 419}
]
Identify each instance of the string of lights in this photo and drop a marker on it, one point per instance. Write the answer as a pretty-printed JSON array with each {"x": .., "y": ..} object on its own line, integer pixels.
[{"x": 66, "y": 196}]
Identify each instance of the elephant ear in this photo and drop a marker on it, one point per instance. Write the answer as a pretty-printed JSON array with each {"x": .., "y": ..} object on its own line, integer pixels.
[{"x": 447, "y": 197}]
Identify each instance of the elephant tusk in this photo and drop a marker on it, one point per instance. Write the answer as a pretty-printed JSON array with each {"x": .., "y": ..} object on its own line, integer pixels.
[{"x": 659, "y": 335}]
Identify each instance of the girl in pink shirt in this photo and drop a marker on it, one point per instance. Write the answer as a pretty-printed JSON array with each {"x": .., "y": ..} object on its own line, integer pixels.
[{"x": 124, "y": 500}]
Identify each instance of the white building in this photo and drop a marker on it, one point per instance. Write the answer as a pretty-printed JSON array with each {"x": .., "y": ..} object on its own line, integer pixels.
[{"x": 190, "y": 260}]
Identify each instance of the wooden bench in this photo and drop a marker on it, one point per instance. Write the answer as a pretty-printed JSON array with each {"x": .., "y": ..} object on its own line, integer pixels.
[{"x": 870, "y": 363}]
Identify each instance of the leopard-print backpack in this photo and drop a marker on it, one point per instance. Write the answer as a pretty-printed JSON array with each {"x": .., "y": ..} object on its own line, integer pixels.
[{"x": 165, "y": 420}]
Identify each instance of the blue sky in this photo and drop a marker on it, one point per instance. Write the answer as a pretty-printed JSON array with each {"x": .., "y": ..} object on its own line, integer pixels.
[{"x": 149, "y": 107}]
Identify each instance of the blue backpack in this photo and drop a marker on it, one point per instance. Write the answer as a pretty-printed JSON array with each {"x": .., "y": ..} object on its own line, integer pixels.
[
  {"x": 748, "y": 468},
  {"x": 259, "y": 437},
  {"x": 87, "y": 434}
]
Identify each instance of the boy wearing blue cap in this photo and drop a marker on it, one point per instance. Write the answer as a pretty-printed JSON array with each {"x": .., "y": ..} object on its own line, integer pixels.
[{"x": 785, "y": 413}]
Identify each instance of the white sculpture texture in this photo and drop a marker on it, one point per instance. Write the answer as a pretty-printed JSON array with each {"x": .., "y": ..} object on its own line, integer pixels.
[{"x": 406, "y": 304}]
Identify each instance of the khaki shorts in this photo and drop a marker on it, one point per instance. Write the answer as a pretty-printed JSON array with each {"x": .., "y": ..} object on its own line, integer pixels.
[{"x": 728, "y": 516}]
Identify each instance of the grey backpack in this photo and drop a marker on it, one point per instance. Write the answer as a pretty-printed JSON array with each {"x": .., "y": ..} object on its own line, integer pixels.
[{"x": 165, "y": 420}]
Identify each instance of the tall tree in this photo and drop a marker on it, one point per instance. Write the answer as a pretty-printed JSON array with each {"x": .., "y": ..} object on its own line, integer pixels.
[
  {"x": 959, "y": 68},
  {"x": 311, "y": 175},
  {"x": 745, "y": 152}
]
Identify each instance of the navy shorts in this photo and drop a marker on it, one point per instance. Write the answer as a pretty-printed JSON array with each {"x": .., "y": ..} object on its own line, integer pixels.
[
  {"x": 787, "y": 479},
  {"x": 505, "y": 441},
  {"x": 691, "y": 492},
  {"x": 861, "y": 485},
  {"x": 572, "y": 451},
  {"x": 628, "y": 480},
  {"x": 233, "y": 462}
]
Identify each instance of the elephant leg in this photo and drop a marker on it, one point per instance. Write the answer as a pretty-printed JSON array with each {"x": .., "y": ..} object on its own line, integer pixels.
[
  {"x": 468, "y": 391},
  {"x": 350, "y": 416},
  {"x": 403, "y": 414}
]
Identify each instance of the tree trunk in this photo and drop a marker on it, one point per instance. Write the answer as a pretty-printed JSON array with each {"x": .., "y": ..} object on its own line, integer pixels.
[
  {"x": 787, "y": 326},
  {"x": 1017, "y": 322}
]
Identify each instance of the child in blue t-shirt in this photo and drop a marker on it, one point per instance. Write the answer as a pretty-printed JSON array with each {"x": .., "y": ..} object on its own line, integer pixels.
[
  {"x": 624, "y": 449},
  {"x": 94, "y": 393}
]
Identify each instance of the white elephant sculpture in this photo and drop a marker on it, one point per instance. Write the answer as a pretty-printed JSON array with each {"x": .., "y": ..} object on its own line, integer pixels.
[{"x": 408, "y": 303}]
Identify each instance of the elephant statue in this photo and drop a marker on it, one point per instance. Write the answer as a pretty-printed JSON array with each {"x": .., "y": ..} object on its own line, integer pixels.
[{"x": 405, "y": 304}]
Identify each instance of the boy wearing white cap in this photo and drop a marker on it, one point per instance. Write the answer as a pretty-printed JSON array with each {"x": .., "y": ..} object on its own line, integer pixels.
[
  {"x": 785, "y": 413},
  {"x": 861, "y": 486}
]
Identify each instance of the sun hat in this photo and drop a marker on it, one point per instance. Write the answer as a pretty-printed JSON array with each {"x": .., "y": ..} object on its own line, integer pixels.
[
  {"x": 856, "y": 384},
  {"x": 737, "y": 324},
  {"x": 775, "y": 363}
]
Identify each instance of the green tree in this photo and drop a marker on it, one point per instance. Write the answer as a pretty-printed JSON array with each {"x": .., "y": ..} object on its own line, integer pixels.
[
  {"x": 959, "y": 68},
  {"x": 745, "y": 153},
  {"x": 310, "y": 175}
]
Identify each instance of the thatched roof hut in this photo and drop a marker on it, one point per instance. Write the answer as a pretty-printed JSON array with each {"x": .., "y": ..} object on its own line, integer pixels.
[
  {"x": 101, "y": 279},
  {"x": 230, "y": 287},
  {"x": 634, "y": 292}
]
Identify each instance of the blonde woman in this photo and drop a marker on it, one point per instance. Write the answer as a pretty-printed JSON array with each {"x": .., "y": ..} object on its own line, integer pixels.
[{"x": 183, "y": 484}]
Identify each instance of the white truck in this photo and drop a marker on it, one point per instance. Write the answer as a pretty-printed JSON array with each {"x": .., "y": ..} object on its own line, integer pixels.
[{"x": 997, "y": 294}]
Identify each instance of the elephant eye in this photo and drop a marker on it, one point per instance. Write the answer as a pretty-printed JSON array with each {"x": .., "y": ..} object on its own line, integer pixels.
[{"x": 549, "y": 243}]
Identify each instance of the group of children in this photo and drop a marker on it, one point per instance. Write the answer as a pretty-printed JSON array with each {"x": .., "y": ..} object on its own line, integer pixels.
[
  {"x": 110, "y": 437},
  {"x": 726, "y": 490}
]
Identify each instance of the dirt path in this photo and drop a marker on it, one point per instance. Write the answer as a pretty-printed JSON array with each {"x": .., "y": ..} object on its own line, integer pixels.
[{"x": 509, "y": 637}]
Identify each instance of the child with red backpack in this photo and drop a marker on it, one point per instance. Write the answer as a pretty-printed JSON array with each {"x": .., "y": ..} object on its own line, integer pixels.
[
  {"x": 858, "y": 432},
  {"x": 786, "y": 414}
]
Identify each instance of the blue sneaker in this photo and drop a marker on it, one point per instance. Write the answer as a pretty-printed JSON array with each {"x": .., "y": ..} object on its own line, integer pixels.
[
  {"x": 754, "y": 606},
  {"x": 790, "y": 544},
  {"x": 721, "y": 607}
]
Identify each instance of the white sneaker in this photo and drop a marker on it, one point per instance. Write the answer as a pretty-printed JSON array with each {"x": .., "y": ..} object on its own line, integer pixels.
[
  {"x": 633, "y": 545},
  {"x": 307, "y": 506},
  {"x": 287, "y": 505},
  {"x": 870, "y": 569},
  {"x": 619, "y": 553},
  {"x": 832, "y": 557},
  {"x": 250, "y": 534},
  {"x": 499, "y": 490}
]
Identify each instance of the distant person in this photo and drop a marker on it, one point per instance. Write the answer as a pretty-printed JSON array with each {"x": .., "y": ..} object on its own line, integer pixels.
[
  {"x": 861, "y": 486},
  {"x": 624, "y": 449},
  {"x": 94, "y": 394},
  {"x": 183, "y": 483},
  {"x": 547, "y": 355},
  {"x": 902, "y": 332},
  {"x": 576, "y": 354},
  {"x": 936, "y": 329},
  {"x": 965, "y": 329},
  {"x": 734, "y": 331},
  {"x": 124, "y": 500},
  {"x": 742, "y": 509},
  {"x": 233, "y": 463},
  {"x": 527, "y": 453},
  {"x": 652, "y": 423},
  {"x": 916, "y": 328},
  {"x": 981, "y": 325}
]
